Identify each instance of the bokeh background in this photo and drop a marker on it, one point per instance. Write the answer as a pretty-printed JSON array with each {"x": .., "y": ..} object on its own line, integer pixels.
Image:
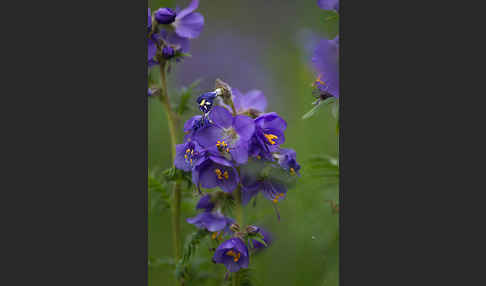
[{"x": 264, "y": 45}]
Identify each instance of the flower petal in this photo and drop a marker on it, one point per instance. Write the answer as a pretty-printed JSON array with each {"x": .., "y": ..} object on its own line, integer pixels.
[
  {"x": 244, "y": 126},
  {"x": 190, "y": 26},
  {"x": 189, "y": 9},
  {"x": 221, "y": 117}
]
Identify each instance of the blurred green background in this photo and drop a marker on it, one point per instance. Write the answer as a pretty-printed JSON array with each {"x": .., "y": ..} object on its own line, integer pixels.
[{"x": 258, "y": 45}]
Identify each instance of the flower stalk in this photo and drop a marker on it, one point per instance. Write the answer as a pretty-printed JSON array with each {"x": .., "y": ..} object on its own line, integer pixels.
[{"x": 172, "y": 122}]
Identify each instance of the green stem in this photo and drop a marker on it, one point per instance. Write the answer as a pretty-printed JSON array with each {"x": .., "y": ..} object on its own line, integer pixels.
[
  {"x": 239, "y": 221},
  {"x": 172, "y": 121}
]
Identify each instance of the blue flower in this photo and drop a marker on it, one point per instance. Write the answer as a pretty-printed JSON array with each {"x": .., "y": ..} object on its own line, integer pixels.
[
  {"x": 187, "y": 23},
  {"x": 211, "y": 221},
  {"x": 233, "y": 253},
  {"x": 215, "y": 171},
  {"x": 287, "y": 158},
  {"x": 253, "y": 102},
  {"x": 326, "y": 63},
  {"x": 205, "y": 203},
  {"x": 269, "y": 134},
  {"x": 206, "y": 100},
  {"x": 188, "y": 155},
  {"x": 227, "y": 134}
]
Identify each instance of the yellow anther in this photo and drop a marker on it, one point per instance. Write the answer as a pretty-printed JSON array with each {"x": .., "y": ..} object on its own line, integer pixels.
[
  {"x": 318, "y": 79},
  {"x": 218, "y": 143},
  {"x": 214, "y": 235},
  {"x": 185, "y": 156},
  {"x": 259, "y": 157},
  {"x": 292, "y": 171},
  {"x": 236, "y": 256},
  {"x": 270, "y": 138},
  {"x": 192, "y": 151},
  {"x": 227, "y": 150},
  {"x": 275, "y": 200},
  {"x": 218, "y": 173},
  {"x": 188, "y": 150},
  {"x": 202, "y": 102},
  {"x": 226, "y": 176},
  {"x": 190, "y": 161}
]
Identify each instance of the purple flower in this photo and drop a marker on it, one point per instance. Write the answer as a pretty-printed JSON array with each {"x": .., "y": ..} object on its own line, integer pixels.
[
  {"x": 252, "y": 102},
  {"x": 287, "y": 158},
  {"x": 266, "y": 237},
  {"x": 152, "y": 51},
  {"x": 165, "y": 16},
  {"x": 264, "y": 178},
  {"x": 188, "y": 155},
  {"x": 215, "y": 171},
  {"x": 205, "y": 203},
  {"x": 269, "y": 134},
  {"x": 326, "y": 63},
  {"x": 233, "y": 253},
  {"x": 206, "y": 100},
  {"x": 212, "y": 221},
  {"x": 328, "y": 4},
  {"x": 168, "y": 52},
  {"x": 227, "y": 134},
  {"x": 189, "y": 24}
]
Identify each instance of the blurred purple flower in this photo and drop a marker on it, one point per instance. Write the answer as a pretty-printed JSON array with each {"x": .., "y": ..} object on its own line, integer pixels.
[
  {"x": 211, "y": 221},
  {"x": 187, "y": 23},
  {"x": 287, "y": 158},
  {"x": 326, "y": 63},
  {"x": 328, "y": 4},
  {"x": 205, "y": 203},
  {"x": 251, "y": 102},
  {"x": 233, "y": 253},
  {"x": 254, "y": 180}
]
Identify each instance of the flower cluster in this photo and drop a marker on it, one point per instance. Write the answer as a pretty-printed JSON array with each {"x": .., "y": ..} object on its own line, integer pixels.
[
  {"x": 235, "y": 146},
  {"x": 169, "y": 32}
]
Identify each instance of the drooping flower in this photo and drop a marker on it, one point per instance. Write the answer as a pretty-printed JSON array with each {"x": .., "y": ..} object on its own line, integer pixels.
[
  {"x": 326, "y": 63},
  {"x": 187, "y": 23},
  {"x": 265, "y": 178},
  {"x": 215, "y": 171},
  {"x": 267, "y": 237},
  {"x": 287, "y": 158},
  {"x": 206, "y": 101},
  {"x": 252, "y": 103},
  {"x": 165, "y": 15},
  {"x": 269, "y": 134},
  {"x": 328, "y": 4},
  {"x": 233, "y": 253},
  {"x": 211, "y": 221},
  {"x": 188, "y": 155},
  {"x": 227, "y": 134}
]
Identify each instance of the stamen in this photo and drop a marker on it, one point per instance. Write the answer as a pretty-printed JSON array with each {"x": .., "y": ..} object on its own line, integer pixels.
[
  {"x": 185, "y": 156},
  {"x": 218, "y": 173},
  {"x": 270, "y": 138},
  {"x": 292, "y": 171},
  {"x": 202, "y": 102},
  {"x": 188, "y": 150},
  {"x": 259, "y": 157},
  {"x": 226, "y": 176}
]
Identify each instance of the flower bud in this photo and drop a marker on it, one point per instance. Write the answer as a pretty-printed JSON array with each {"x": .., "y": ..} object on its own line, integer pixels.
[
  {"x": 165, "y": 16},
  {"x": 235, "y": 227},
  {"x": 168, "y": 52},
  {"x": 252, "y": 229}
]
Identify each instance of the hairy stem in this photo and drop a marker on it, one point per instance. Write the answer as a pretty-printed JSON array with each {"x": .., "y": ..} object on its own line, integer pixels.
[
  {"x": 172, "y": 122},
  {"x": 239, "y": 221}
]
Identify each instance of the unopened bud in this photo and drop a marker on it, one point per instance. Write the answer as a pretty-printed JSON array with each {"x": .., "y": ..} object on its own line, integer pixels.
[
  {"x": 235, "y": 227},
  {"x": 251, "y": 229}
]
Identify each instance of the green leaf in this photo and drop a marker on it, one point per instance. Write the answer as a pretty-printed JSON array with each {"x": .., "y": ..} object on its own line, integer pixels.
[
  {"x": 192, "y": 242},
  {"x": 331, "y": 23},
  {"x": 158, "y": 196},
  {"x": 186, "y": 95}
]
